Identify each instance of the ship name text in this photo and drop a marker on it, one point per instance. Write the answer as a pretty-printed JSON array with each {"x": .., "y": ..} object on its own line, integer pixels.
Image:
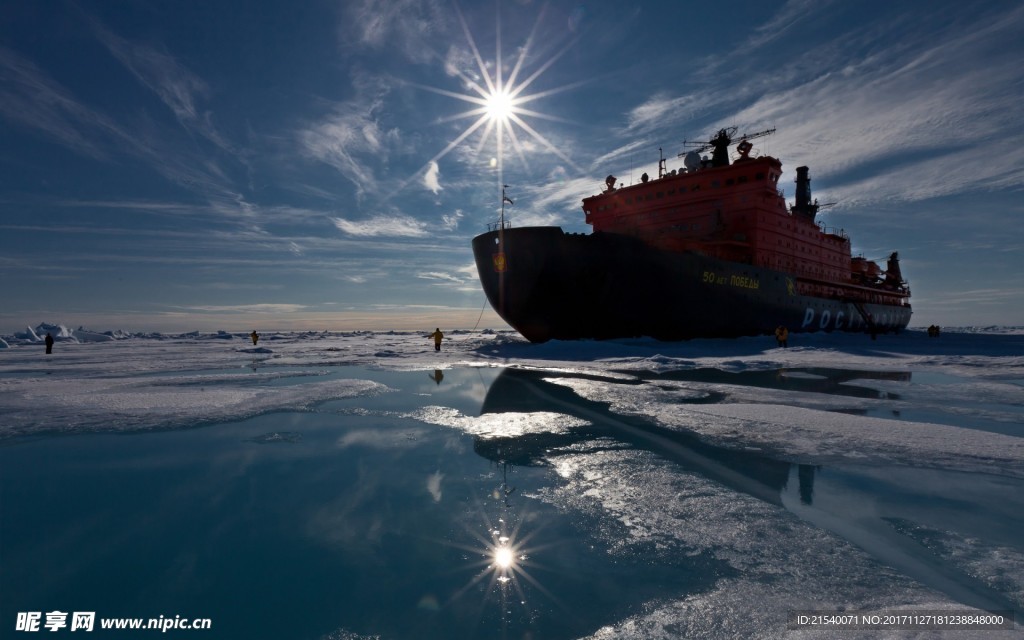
[{"x": 745, "y": 282}]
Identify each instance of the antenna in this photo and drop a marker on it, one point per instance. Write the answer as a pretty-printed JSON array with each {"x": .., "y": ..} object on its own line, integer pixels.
[{"x": 504, "y": 199}]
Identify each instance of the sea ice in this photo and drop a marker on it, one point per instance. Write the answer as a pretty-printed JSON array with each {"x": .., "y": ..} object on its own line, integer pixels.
[{"x": 654, "y": 446}]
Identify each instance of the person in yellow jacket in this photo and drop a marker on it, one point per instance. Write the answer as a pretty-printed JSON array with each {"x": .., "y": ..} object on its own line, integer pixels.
[
  {"x": 255, "y": 336},
  {"x": 437, "y": 336},
  {"x": 782, "y": 336}
]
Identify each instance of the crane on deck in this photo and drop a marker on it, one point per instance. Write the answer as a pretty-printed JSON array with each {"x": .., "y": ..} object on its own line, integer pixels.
[{"x": 720, "y": 144}]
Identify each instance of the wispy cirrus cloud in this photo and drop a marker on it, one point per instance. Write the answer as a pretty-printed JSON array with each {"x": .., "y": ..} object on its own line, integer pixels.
[
  {"x": 920, "y": 114},
  {"x": 264, "y": 308},
  {"x": 662, "y": 110},
  {"x": 939, "y": 104},
  {"x": 178, "y": 88},
  {"x": 381, "y": 225},
  {"x": 31, "y": 98},
  {"x": 402, "y": 24},
  {"x": 350, "y": 138},
  {"x": 439, "y": 275},
  {"x": 785, "y": 20}
]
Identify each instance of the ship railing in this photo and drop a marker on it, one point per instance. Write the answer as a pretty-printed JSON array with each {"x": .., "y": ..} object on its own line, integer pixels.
[
  {"x": 495, "y": 226},
  {"x": 833, "y": 231}
]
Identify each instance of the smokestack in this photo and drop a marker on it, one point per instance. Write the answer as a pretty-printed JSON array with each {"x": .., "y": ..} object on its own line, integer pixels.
[
  {"x": 803, "y": 206},
  {"x": 803, "y": 188}
]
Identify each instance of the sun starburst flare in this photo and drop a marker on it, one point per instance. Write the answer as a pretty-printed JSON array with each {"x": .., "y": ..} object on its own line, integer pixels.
[{"x": 499, "y": 110}]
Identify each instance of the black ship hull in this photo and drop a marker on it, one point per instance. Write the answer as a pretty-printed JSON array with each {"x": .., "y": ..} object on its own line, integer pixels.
[{"x": 551, "y": 285}]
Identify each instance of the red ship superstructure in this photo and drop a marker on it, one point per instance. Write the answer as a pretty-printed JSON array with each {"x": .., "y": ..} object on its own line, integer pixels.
[{"x": 736, "y": 212}]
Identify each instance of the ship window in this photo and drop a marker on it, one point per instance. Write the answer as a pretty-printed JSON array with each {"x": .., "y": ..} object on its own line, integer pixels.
[
  {"x": 629, "y": 200},
  {"x": 759, "y": 175},
  {"x": 649, "y": 196},
  {"x": 742, "y": 179},
  {"x": 729, "y": 182},
  {"x": 661, "y": 194},
  {"x": 714, "y": 184}
]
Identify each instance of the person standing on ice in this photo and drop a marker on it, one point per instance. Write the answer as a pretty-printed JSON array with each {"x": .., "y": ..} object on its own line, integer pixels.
[
  {"x": 782, "y": 336},
  {"x": 255, "y": 337},
  {"x": 437, "y": 336},
  {"x": 49, "y": 342}
]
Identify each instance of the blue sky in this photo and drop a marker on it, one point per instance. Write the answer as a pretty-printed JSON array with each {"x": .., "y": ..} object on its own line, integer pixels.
[{"x": 171, "y": 166}]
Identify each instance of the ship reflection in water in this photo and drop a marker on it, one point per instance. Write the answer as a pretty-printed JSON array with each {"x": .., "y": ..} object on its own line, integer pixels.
[
  {"x": 529, "y": 391},
  {"x": 881, "y": 509}
]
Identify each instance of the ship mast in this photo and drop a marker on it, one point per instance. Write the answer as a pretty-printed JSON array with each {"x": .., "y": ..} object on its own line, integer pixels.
[{"x": 504, "y": 199}]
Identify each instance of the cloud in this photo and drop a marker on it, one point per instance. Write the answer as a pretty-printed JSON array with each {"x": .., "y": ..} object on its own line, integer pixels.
[
  {"x": 248, "y": 308},
  {"x": 785, "y": 20},
  {"x": 381, "y": 225},
  {"x": 663, "y": 110},
  {"x": 438, "y": 275},
  {"x": 177, "y": 87},
  {"x": 552, "y": 203},
  {"x": 28, "y": 96},
  {"x": 451, "y": 222},
  {"x": 928, "y": 106},
  {"x": 431, "y": 177},
  {"x": 350, "y": 138},
  {"x": 402, "y": 24},
  {"x": 919, "y": 111}
]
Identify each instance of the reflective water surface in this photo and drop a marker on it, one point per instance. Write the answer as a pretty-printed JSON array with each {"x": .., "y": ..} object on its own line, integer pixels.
[{"x": 481, "y": 503}]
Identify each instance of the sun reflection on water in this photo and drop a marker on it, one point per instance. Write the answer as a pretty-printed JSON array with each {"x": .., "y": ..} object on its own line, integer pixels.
[
  {"x": 503, "y": 555},
  {"x": 503, "y": 575}
]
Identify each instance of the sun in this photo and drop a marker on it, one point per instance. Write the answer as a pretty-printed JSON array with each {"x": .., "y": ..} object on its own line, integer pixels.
[
  {"x": 497, "y": 97},
  {"x": 499, "y": 105}
]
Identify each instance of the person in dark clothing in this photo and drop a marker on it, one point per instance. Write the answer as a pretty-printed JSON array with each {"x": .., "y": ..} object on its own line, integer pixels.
[
  {"x": 255, "y": 337},
  {"x": 437, "y": 336},
  {"x": 782, "y": 336},
  {"x": 49, "y": 343}
]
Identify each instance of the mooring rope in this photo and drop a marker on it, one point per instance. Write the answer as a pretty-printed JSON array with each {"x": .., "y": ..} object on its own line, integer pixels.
[{"x": 481, "y": 314}]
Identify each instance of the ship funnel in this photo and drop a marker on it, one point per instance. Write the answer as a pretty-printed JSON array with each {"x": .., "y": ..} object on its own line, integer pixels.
[
  {"x": 803, "y": 206},
  {"x": 803, "y": 187},
  {"x": 893, "y": 275}
]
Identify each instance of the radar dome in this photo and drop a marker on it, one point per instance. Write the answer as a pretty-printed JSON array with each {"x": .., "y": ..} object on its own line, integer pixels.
[{"x": 692, "y": 161}]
